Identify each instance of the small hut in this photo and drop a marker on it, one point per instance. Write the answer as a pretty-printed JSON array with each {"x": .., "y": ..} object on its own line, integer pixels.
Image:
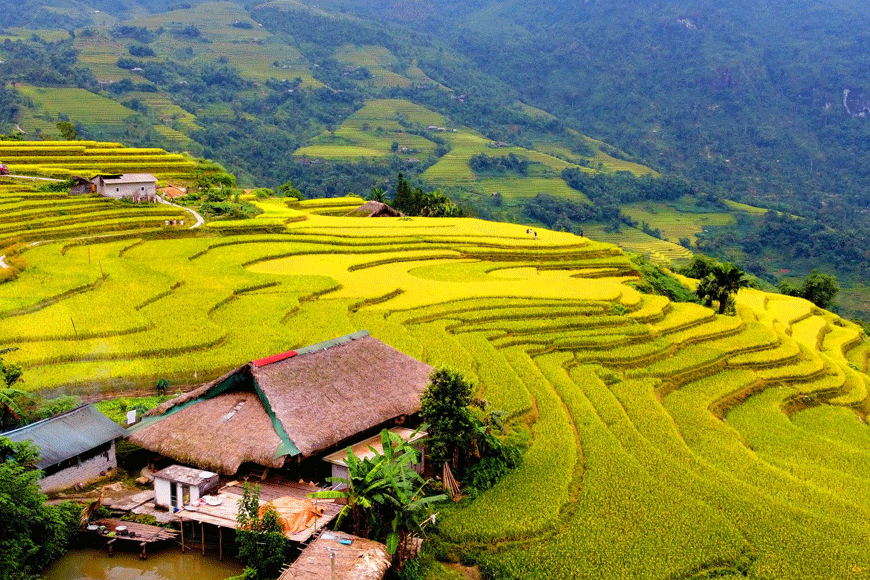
[
  {"x": 178, "y": 486},
  {"x": 80, "y": 185},
  {"x": 280, "y": 410},
  {"x": 74, "y": 447},
  {"x": 340, "y": 556},
  {"x": 373, "y": 209}
]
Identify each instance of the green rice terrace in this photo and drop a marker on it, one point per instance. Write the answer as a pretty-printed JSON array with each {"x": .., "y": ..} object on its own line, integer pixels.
[
  {"x": 86, "y": 158},
  {"x": 665, "y": 441}
]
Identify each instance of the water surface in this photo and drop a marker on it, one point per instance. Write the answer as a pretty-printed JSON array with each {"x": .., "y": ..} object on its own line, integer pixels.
[{"x": 166, "y": 564}]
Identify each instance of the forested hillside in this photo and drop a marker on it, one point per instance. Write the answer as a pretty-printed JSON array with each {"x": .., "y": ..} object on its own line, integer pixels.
[{"x": 761, "y": 102}]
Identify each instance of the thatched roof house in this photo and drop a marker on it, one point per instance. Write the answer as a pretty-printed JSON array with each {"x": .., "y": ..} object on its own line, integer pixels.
[
  {"x": 288, "y": 406},
  {"x": 373, "y": 209}
]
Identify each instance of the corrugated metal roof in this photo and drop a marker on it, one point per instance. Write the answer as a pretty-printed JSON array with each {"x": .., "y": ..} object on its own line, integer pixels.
[
  {"x": 128, "y": 178},
  {"x": 68, "y": 434}
]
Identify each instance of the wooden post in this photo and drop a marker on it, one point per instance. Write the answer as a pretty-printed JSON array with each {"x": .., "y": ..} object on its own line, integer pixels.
[
  {"x": 180, "y": 519},
  {"x": 143, "y": 555},
  {"x": 202, "y": 538},
  {"x": 220, "y": 543}
]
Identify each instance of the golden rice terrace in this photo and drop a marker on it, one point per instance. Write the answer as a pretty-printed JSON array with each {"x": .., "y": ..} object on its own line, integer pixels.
[{"x": 666, "y": 441}]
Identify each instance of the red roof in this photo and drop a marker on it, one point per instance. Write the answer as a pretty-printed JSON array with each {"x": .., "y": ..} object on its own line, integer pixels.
[{"x": 261, "y": 362}]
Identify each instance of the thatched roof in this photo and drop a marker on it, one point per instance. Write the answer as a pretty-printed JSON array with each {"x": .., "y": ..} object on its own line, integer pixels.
[
  {"x": 373, "y": 209},
  {"x": 207, "y": 436},
  {"x": 294, "y": 403},
  {"x": 360, "y": 560},
  {"x": 329, "y": 395}
]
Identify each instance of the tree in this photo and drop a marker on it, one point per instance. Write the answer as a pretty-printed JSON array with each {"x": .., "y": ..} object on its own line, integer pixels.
[
  {"x": 287, "y": 190},
  {"x": 404, "y": 198},
  {"x": 700, "y": 267},
  {"x": 385, "y": 498},
  {"x": 261, "y": 538},
  {"x": 818, "y": 288},
  {"x": 68, "y": 130},
  {"x": 377, "y": 194},
  {"x": 33, "y": 533},
  {"x": 445, "y": 407},
  {"x": 722, "y": 281},
  {"x": 460, "y": 436},
  {"x": 10, "y": 411}
]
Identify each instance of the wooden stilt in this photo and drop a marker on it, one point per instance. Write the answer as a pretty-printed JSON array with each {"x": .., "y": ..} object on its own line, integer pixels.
[
  {"x": 180, "y": 519},
  {"x": 202, "y": 536},
  {"x": 112, "y": 541},
  {"x": 143, "y": 555},
  {"x": 220, "y": 543}
]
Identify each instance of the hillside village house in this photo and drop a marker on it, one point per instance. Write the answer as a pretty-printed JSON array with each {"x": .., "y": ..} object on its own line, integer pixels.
[
  {"x": 74, "y": 447},
  {"x": 136, "y": 186},
  {"x": 289, "y": 410}
]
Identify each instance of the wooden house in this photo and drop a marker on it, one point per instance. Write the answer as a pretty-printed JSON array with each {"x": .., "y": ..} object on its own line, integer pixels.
[
  {"x": 74, "y": 447},
  {"x": 373, "y": 209},
  {"x": 135, "y": 186},
  {"x": 288, "y": 410}
]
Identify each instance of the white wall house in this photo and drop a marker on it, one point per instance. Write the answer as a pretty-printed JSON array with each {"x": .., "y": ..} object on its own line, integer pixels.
[
  {"x": 136, "y": 186},
  {"x": 178, "y": 486},
  {"x": 74, "y": 447},
  {"x": 363, "y": 450}
]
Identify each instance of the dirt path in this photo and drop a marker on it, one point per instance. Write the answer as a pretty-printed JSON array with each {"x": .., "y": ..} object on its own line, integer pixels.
[
  {"x": 199, "y": 220},
  {"x": 3, "y": 263},
  {"x": 33, "y": 178}
]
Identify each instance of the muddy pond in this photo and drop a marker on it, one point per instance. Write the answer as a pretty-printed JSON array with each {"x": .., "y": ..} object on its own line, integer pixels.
[{"x": 168, "y": 564}]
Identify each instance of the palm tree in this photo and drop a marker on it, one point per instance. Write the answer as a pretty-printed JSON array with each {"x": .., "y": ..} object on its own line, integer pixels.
[{"x": 722, "y": 281}]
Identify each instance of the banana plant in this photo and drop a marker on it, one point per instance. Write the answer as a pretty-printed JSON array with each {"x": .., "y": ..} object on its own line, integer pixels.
[{"x": 385, "y": 496}]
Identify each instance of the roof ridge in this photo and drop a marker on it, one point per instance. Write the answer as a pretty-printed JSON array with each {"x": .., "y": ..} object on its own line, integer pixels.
[
  {"x": 47, "y": 419},
  {"x": 316, "y": 347}
]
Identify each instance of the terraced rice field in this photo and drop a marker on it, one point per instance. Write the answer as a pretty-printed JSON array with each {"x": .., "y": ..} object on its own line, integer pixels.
[
  {"x": 77, "y": 104},
  {"x": 253, "y": 51},
  {"x": 633, "y": 240},
  {"x": 381, "y": 63},
  {"x": 675, "y": 224},
  {"x": 665, "y": 441},
  {"x": 100, "y": 53},
  {"x": 371, "y": 131},
  {"x": 65, "y": 158}
]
